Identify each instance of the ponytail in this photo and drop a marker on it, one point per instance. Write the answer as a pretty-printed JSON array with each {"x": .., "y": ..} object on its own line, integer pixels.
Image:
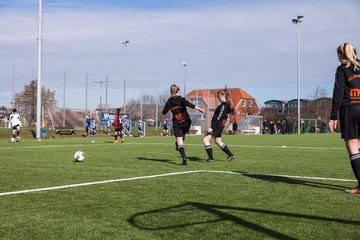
[
  {"x": 225, "y": 92},
  {"x": 347, "y": 55},
  {"x": 174, "y": 90}
]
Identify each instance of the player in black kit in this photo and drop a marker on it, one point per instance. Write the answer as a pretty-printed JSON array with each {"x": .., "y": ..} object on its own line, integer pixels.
[
  {"x": 218, "y": 122},
  {"x": 346, "y": 98},
  {"x": 181, "y": 119}
]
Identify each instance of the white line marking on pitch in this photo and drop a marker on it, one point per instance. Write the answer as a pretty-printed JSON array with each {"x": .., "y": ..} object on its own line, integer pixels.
[
  {"x": 170, "y": 144},
  {"x": 168, "y": 174},
  {"x": 96, "y": 183}
]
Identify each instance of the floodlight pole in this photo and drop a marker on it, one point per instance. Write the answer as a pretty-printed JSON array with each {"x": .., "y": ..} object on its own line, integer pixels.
[
  {"x": 157, "y": 108},
  {"x": 184, "y": 64},
  {"x": 125, "y": 44},
  {"x": 38, "y": 99},
  {"x": 13, "y": 86},
  {"x": 64, "y": 99},
  {"x": 297, "y": 21},
  {"x": 141, "y": 101},
  {"x": 86, "y": 94},
  {"x": 101, "y": 86},
  {"x": 106, "y": 93}
]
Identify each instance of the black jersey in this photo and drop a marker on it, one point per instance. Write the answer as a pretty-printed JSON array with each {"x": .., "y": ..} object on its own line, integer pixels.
[
  {"x": 346, "y": 89},
  {"x": 177, "y": 105},
  {"x": 221, "y": 114}
]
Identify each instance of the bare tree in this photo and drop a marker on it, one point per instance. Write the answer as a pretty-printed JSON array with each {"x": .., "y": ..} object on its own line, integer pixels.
[
  {"x": 320, "y": 105},
  {"x": 318, "y": 92},
  {"x": 25, "y": 101},
  {"x": 149, "y": 106}
]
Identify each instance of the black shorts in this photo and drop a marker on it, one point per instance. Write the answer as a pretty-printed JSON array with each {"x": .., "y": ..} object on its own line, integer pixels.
[
  {"x": 16, "y": 127},
  {"x": 118, "y": 129},
  {"x": 216, "y": 133},
  {"x": 350, "y": 122},
  {"x": 181, "y": 129}
]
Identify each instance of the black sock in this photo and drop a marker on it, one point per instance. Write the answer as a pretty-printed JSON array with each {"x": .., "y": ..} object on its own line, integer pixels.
[
  {"x": 116, "y": 135},
  {"x": 182, "y": 151},
  {"x": 13, "y": 135},
  {"x": 209, "y": 151},
  {"x": 18, "y": 133},
  {"x": 355, "y": 164},
  {"x": 226, "y": 150}
]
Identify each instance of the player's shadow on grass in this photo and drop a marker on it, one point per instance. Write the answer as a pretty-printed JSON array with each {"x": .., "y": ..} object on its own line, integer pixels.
[
  {"x": 159, "y": 160},
  {"x": 178, "y": 162},
  {"x": 294, "y": 181},
  {"x": 196, "y": 159},
  {"x": 191, "y": 214}
]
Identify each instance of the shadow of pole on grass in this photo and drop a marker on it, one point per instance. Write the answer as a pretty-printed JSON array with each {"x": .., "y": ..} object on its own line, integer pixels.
[
  {"x": 294, "y": 181},
  {"x": 218, "y": 212}
]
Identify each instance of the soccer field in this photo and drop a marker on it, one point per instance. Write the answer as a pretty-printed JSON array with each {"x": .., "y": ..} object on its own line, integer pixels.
[{"x": 279, "y": 187}]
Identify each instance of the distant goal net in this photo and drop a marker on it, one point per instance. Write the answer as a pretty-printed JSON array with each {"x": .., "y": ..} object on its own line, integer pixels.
[
  {"x": 307, "y": 125},
  {"x": 250, "y": 125}
]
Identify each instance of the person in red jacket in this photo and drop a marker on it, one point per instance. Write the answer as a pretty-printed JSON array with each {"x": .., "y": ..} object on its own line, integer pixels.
[
  {"x": 117, "y": 124},
  {"x": 346, "y": 99}
]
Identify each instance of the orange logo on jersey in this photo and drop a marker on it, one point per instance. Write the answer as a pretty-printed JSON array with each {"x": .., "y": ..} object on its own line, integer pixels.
[
  {"x": 354, "y": 93},
  {"x": 180, "y": 116},
  {"x": 352, "y": 77}
]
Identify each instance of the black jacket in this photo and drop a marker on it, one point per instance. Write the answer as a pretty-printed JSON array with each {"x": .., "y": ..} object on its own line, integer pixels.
[
  {"x": 346, "y": 89},
  {"x": 221, "y": 113},
  {"x": 177, "y": 105}
]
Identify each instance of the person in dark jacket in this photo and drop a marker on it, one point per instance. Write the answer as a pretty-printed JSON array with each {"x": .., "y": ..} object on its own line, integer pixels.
[
  {"x": 218, "y": 122},
  {"x": 235, "y": 127},
  {"x": 346, "y": 99},
  {"x": 181, "y": 119},
  {"x": 87, "y": 125}
]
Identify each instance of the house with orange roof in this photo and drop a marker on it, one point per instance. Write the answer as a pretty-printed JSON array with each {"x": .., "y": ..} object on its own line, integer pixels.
[{"x": 243, "y": 103}]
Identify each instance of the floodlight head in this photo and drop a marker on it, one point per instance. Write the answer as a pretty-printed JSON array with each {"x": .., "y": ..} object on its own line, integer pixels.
[
  {"x": 299, "y": 17},
  {"x": 124, "y": 42},
  {"x": 295, "y": 21},
  {"x": 184, "y": 64}
]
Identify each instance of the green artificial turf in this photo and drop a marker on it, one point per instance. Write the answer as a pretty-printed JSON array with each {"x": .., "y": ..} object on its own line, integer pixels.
[{"x": 197, "y": 205}]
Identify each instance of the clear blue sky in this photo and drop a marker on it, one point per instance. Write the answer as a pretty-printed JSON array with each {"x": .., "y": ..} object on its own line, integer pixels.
[{"x": 246, "y": 44}]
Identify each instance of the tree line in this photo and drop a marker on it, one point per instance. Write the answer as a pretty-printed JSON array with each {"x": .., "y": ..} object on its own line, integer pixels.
[{"x": 25, "y": 102}]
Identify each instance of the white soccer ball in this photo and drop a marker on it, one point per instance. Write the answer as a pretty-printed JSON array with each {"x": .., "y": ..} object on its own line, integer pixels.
[
  {"x": 13, "y": 140},
  {"x": 79, "y": 156}
]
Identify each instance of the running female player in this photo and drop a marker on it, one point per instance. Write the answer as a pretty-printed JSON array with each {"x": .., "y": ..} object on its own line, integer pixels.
[
  {"x": 217, "y": 126},
  {"x": 346, "y": 98},
  {"x": 181, "y": 119},
  {"x": 118, "y": 126}
]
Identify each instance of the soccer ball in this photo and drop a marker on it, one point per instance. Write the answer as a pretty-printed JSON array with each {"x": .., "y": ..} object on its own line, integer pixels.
[
  {"x": 12, "y": 140},
  {"x": 79, "y": 156}
]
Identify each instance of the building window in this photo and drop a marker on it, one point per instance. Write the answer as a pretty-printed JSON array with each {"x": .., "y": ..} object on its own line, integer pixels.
[
  {"x": 250, "y": 103},
  {"x": 244, "y": 103},
  {"x": 196, "y": 103}
]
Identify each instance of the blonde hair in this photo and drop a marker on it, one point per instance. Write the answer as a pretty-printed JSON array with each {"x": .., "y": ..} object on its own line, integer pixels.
[
  {"x": 174, "y": 89},
  {"x": 347, "y": 55}
]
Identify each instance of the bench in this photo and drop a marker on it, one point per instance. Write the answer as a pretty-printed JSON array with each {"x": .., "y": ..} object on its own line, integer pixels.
[
  {"x": 65, "y": 130},
  {"x": 193, "y": 131},
  {"x": 249, "y": 131}
]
